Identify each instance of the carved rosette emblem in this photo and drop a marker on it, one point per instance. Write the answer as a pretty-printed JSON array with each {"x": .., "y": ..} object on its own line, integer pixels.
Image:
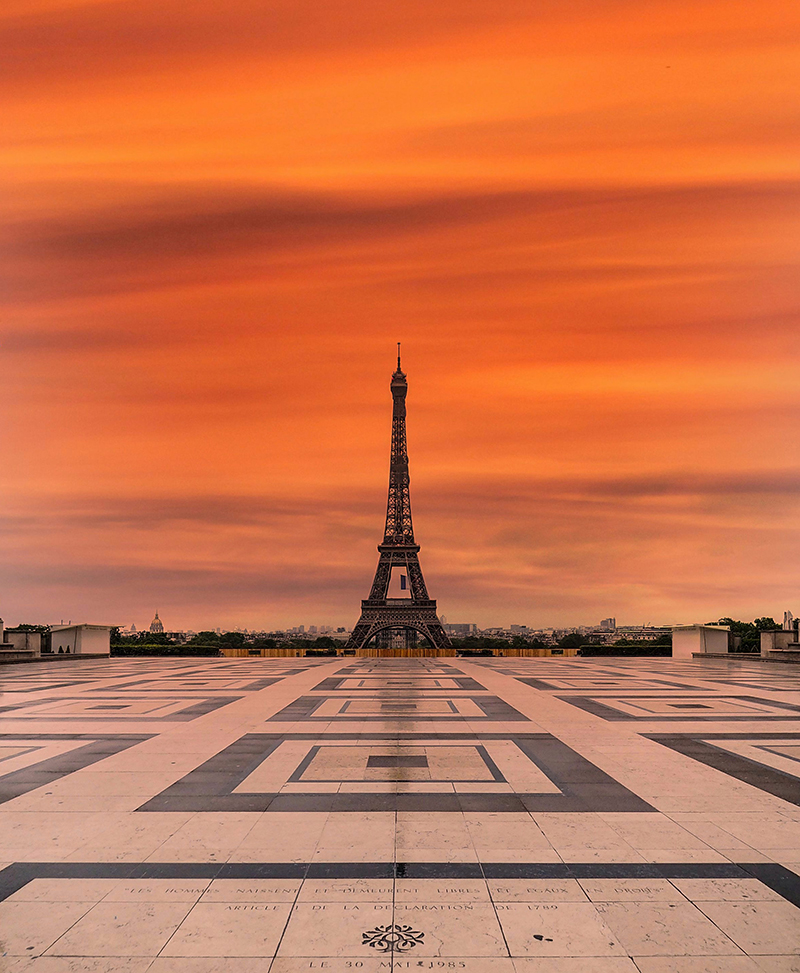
[{"x": 393, "y": 938}]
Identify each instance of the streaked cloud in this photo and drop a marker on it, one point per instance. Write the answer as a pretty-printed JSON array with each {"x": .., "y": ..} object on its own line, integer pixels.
[{"x": 581, "y": 221}]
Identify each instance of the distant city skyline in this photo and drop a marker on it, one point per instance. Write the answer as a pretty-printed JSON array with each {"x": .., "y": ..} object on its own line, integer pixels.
[{"x": 325, "y": 627}]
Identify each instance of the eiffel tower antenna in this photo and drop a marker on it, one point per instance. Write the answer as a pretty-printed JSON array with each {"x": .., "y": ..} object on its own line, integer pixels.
[{"x": 385, "y": 620}]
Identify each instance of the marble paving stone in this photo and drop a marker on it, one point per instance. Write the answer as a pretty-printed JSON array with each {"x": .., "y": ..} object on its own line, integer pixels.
[
  {"x": 506, "y": 837},
  {"x": 342, "y": 890},
  {"x": 207, "y": 964},
  {"x": 65, "y": 890},
  {"x": 29, "y": 928},
  {"x": 427, "y": 836},
  {"x": 206, "y": 837},
  {"x": 282, "y": 836},
  {"x": 556, "y": 929},
  {"x": 665, "y": 928},
  {"x": 573, "y": 964},
  {"x": 453, "y": 928},
  {"x": 537, "y": 890},
  {"x": 697, "y": 964},
  {"x": 158, "y": 890},
  {"x": 122, "y": 929},
  {"x": 370, "y": 838},
  {"x": 721, "y": 889},
  {"x": 318, "y": 929},
  {"x": 127, "y": 837},
  {"x": 230, "y": 929},
  {"x": 779, "y": 964},
  {"x": 631, "y": 890},
  {"x": 81, "y": 964},
  {"x": 330, "y": 964},
  {"x": 758, "y": 927},
  {"x": 252, "y": 890},
  {"x": 525, "y": 832},
  {"x": 430, "y": 890}
]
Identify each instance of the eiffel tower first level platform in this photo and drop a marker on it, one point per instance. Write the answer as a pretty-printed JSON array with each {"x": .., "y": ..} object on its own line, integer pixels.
[{"x": 398, "y": 617}]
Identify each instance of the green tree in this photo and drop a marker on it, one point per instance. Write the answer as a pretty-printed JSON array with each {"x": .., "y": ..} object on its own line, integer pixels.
[
  {"x": 749, "y": 632},
  {"x": 204, "y": 638},
  {"x": 766, "y": 624}
]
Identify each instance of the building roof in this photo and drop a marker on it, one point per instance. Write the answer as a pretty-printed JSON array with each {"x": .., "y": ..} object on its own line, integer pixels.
[{"x": 63, "y": 628}]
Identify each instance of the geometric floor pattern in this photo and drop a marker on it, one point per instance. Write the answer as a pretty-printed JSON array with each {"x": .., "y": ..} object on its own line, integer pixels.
[{"x": 519, "y": 816}]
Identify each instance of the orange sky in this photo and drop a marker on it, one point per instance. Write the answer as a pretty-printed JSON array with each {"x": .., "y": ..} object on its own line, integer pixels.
[{"x": 580, "y": 218}]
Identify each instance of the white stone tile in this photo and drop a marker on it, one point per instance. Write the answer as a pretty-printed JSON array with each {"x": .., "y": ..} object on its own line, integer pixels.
[
  {"x": 357, "y": 837},
  {"x": 65, "y": 890},
  {"x": 697, "y": 964},
  {"x": 323, "y": 929},
  {"x": 122, "y": 929},
  {"x": 536, "y": 890},
  {"x": 209, "y": 836},
  {"x": 281, "y": 836},
  {"x": 725, "y": 889},
  {"x": 518, "y": 769},
  {"x": 630, "y": 890},
  {"x": 207, "y": 964},
  {"x": 552, "y": 928},
  {"x": 652, "y": 831},
  {"x": 128, "y": 837},
  {"x": 665, "y": 928},
  {"x": 568, "y": 832},
  {"x": 158, "y": 890},
  {"x": 778, "y": 964},
  {"x": 438, "y": 890},
  {"x": 574, "y": 964},
  {"x": 90, "y": 816},
  {"x": 29, "y": 928},
  {"x": 348, "y": 891},
  {"x": 758, "y": 927},
  {"x": 379, "y": 963},
  {"x": 429, "y": 836},
  {"x": 452, "y": 928},
  {"x": 506, "y": 836},
  {"x": 762, "y": 830},
  {"x": 252, "y": 890},
  {"x": 230, "y": 929},
  {"x": 83, "y": 964}
]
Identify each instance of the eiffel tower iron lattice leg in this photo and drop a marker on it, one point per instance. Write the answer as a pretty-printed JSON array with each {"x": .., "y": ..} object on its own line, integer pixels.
[{"x": 384, "y": 618}]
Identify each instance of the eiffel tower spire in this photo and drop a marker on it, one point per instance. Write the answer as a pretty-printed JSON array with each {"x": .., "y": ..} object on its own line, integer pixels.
[
  {"x": 389, "y": 620},
  {"x": 399, "y": 529}
]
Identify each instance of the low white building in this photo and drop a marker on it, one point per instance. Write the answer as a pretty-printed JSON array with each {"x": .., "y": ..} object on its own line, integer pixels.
[
  {"x": 780, "y": 644},
  {"x": 80, "y": 639},
  {"x": 690, "y": 639},
  {"x": 19, "y": 646}
]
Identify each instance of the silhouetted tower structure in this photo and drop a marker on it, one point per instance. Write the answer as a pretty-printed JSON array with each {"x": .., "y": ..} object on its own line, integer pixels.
[{"x": 397, "y": 622}]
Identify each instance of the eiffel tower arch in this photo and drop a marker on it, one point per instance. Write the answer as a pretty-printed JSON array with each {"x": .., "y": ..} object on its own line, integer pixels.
[{"x": 393, "y": 623}]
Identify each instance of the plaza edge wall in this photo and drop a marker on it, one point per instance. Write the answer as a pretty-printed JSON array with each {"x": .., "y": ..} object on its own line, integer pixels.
[{"x": 418, "y": 653}]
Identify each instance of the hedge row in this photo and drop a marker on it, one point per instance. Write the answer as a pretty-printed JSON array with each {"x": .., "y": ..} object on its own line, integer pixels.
[
  {"x": 206, "y": 650},
  {"x": 609, "y": 650}
]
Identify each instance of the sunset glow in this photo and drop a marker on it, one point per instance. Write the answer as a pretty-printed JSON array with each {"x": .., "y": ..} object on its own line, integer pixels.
[{"x": 581, "y": 220}]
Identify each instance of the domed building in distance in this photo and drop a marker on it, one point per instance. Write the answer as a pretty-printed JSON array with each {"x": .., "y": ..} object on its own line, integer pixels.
[{"x": 156, "y": 626}]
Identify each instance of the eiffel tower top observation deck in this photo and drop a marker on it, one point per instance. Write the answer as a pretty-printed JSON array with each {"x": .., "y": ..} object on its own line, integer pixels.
[{"x": 397, "y": 622}]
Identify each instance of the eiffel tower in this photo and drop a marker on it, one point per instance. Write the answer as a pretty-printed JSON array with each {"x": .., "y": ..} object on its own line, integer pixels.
[{"x": 397, "y": 623}]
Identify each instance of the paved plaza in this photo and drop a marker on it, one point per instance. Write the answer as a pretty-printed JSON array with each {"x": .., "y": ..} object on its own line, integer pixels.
[{"x": 504, "y": 815}]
